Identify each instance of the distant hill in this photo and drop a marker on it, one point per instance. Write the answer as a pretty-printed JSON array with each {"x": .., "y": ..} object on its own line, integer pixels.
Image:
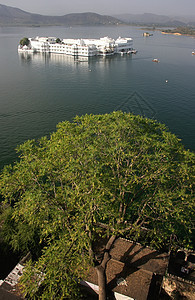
[
  {"x": 12, "y": 16},
  {"x": 15, "y": 16},
  {"x": 153, "y": 19}
]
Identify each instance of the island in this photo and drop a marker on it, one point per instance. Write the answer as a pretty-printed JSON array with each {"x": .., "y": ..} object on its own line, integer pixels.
[
  {"x": 77, "y": 47},
  {"x": 182, "y": 30}
]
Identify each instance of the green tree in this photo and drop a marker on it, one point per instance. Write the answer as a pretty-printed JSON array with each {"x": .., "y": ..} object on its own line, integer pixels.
[
  {"x": 115, "y": 171},
  {"x": 24, "y": 42},
  {"x": 58, "y": 40}
]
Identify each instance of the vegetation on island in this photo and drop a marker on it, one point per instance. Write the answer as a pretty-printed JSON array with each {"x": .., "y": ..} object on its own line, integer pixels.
[
  {"x": 58, "y": 41},
  {"x": 183, "y": 30},
  {"x": 118, "y": 171},
  {"x": 24, "y": 42}
]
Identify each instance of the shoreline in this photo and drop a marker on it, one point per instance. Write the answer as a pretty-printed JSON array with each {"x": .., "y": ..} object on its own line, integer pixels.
[{"x": 178, "y": 34}]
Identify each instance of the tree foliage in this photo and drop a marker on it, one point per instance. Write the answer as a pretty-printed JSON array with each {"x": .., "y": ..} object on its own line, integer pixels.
[
  {"x": 24, "y": 42},
  {"x": 122, "y": 171},
  {"x": 58, "y": 40}
]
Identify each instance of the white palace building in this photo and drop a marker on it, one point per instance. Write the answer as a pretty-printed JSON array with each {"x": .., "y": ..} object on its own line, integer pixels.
[{"x": 79, "y": 47}]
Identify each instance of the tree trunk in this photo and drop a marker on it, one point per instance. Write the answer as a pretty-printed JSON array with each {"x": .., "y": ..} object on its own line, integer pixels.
[
  {"x": 101, "y": 269},
  {"x": 101, "y": 273}
]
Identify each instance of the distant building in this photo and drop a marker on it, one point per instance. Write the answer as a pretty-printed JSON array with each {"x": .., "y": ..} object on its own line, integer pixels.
[
  {"x": 79, "y": 47},
  {"x": 147, "y": 34}
]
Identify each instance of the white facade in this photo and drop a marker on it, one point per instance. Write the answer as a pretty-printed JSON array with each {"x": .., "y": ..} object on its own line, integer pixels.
[
  {"x": 124, "y": 44},
  {"x": 79, "y": 47}
]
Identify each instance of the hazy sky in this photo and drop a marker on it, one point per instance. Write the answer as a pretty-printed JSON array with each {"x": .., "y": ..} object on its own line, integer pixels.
[{"x": 110, "y": 7}]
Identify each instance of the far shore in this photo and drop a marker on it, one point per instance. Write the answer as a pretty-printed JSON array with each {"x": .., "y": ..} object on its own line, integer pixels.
[
  {"x": 174, "y": 33},
  {"x": 178, "y": 34}
]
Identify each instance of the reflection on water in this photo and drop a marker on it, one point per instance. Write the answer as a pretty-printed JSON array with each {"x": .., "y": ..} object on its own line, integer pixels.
[
  {"x": 51, "y": 57},
  {"x": 64, "y": 59}
]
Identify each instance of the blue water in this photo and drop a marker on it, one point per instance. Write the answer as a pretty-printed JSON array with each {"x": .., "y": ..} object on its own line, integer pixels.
[{"x": 37, "y": 92}]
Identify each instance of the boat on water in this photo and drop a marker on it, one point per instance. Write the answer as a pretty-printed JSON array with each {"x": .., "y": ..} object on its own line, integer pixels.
[
  {"x": 193, "y": 52},
  {"x": 133, "y": 51},
  {"x": 156, "y": 60}
]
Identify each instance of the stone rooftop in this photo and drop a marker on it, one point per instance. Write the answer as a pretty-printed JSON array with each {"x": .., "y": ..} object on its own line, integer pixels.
[{"x": 133, "y": 270}]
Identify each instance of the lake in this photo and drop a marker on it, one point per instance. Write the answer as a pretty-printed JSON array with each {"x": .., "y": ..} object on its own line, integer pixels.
[{"x": 38, "y": 91}]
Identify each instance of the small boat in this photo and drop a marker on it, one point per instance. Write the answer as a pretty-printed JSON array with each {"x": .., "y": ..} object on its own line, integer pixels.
[
  {"x": 193, "y": 52},
  {"x": 133, "y": 51},
  {"x": 156, "y": 60}
]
